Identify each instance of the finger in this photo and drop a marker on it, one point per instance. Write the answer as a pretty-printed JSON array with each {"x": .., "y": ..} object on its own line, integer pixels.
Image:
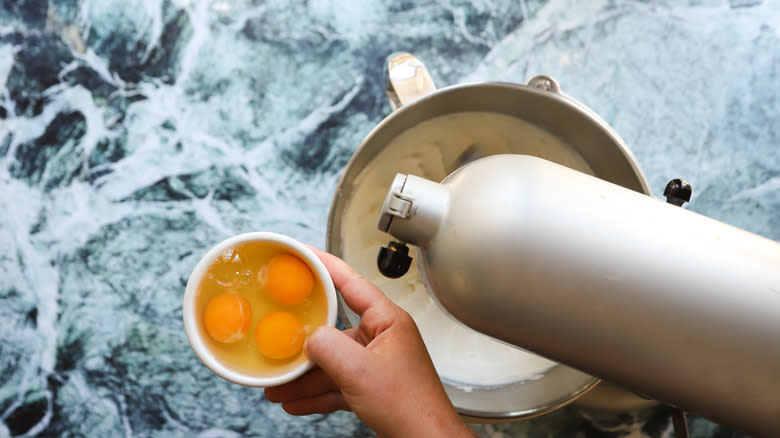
[
  {"x": 322, "y": 404},
  {"x": 344, "y": 359},
  {"x": 358, "y": 293},
  {"x": 311, "y": 384}
]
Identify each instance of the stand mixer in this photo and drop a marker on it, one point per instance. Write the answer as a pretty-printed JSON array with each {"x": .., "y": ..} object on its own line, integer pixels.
[{"x": 663, "y": 301}]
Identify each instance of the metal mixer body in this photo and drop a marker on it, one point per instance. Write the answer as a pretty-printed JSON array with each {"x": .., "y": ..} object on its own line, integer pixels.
[{"x": 661, "y": 300}]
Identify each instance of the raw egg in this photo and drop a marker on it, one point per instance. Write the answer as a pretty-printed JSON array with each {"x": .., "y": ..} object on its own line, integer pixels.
[
  {"x": 227, "y": 317},
  {"x": 244, "y": 327},
  {"x": 288, "y": 279},
  {"x": 280, "y": 335}
]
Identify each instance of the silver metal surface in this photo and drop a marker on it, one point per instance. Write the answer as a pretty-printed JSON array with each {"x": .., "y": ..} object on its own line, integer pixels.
[
  {"x": 572, "y": 122},
  {"x": 399, "y": 205},
  {"x": 659, "y": 299},
  {"x": 545, "y": 83},
  {"x": 407, "y": 79},
  {"x": 391, "y": 206},
  {"x": 421, "y": 200}
]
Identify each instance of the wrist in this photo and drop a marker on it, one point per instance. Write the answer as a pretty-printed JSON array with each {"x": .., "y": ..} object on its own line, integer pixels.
[
  {"x": 456, "y": 427},
  {"x": 447, "y": 424}
]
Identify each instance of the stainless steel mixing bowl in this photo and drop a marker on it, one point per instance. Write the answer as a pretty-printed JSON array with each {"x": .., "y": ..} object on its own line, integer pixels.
[{"x": 541, "y": 103}]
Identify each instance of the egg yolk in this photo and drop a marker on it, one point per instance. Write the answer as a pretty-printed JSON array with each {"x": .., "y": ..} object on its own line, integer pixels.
[
  {"x": 227, "y": 317},
  {"x": 288, "y": 279},
  {"x": 280, "y": 335}
]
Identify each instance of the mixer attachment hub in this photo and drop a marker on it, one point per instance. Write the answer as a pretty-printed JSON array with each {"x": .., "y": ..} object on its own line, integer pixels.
[{"x": 393, "y": 260}]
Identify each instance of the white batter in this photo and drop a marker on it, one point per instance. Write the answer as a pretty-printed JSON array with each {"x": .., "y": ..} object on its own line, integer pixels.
[{"x": 430, "y": 150}]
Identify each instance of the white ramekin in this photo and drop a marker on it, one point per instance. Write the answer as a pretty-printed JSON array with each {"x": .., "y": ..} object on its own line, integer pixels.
[{"x": 195, "y": 335}]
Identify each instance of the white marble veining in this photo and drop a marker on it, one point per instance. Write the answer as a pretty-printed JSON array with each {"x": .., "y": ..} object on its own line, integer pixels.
[{"x": 136, "y": 134}]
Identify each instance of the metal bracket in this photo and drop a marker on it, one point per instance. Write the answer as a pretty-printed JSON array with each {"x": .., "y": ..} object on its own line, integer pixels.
[{"x": 399, "y": 205}]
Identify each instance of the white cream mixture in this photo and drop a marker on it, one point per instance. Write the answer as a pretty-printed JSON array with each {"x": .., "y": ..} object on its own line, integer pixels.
[{"x": 430, "y": 150}]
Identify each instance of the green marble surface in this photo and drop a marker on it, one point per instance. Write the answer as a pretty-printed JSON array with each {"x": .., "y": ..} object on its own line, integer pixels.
[{"x": 135, "y": 134}]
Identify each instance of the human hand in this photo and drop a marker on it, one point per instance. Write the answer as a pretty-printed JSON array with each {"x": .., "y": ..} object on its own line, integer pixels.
[{"x": 380, "y": 370}]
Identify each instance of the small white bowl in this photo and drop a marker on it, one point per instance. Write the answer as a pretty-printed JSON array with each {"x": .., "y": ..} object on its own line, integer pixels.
[{"x": 195, "y": 333}]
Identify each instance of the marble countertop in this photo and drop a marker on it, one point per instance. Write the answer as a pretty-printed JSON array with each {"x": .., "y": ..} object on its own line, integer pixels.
[{"x": 136, "y": 134}]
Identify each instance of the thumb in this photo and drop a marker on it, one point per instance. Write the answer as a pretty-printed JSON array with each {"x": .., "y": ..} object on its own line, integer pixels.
[{"x": 340, "y": 356}]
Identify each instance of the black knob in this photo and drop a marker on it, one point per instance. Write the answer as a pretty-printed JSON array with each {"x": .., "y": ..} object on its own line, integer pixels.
[
  {"x": 393, "y": 260},
  {"x": 678, "y": 192}
]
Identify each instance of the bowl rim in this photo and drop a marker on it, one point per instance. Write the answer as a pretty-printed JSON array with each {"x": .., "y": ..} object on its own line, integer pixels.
[{"x": 195, "y": 337}]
